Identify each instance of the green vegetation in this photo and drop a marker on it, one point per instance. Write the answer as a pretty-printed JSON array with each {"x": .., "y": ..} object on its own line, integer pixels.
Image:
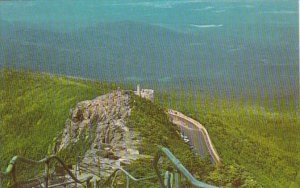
[
  {"x": 153, "y": 124},
  {"x": 256, "y": 144},
  {"x": 33, "y": 109},
  {"x": 35, "y": 106},
  {"x": 265, "y": 141}
]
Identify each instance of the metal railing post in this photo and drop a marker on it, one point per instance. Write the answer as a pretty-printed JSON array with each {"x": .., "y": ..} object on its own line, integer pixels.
[
  {"x": 179, "y": 167},
  {"x": 95, "y": 183},
  {"x": 177, "y": 179},
  {"x": 155, "y": 164},
  {"x": 167, "y": 179},
  {"x": 127, "y": 182}
]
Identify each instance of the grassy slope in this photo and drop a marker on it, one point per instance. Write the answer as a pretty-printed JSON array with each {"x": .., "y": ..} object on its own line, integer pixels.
[
  {"x": 33, "y": 109},
  {"x": 155, "y": 128},
  {"x": 265, "y": 142}
]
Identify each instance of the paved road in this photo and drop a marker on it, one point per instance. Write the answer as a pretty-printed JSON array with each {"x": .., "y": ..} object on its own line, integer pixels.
[{"x": 196, "y": 133}]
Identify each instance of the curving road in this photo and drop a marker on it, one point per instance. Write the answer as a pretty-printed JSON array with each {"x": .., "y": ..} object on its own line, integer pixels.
[{"x": 196, "y": 133}]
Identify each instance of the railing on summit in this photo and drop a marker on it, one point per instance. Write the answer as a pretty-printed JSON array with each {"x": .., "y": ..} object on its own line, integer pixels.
[
  {"x": 43, "y": 181},
  {"x": 112, "y": 179},
  {"x": 173, "y": 180}
]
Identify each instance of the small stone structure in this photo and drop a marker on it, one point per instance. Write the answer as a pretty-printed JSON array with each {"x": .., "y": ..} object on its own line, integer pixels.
[{"x": 145, "y": 93}]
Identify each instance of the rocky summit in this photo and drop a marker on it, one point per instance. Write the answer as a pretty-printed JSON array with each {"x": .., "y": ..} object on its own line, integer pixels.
[{"x": 101, "y": 123}]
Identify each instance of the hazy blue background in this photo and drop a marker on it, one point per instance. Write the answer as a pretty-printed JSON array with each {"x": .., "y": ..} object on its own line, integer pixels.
[{"x": 226, "y": 47}]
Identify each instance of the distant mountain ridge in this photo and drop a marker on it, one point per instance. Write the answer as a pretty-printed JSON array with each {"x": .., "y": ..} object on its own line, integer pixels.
[{"x": 149, "y": 54}]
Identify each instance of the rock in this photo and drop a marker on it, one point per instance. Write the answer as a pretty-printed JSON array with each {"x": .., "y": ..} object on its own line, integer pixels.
[
  {"x": 77, "y": 115},
  {"x": 102, "y": 122}
]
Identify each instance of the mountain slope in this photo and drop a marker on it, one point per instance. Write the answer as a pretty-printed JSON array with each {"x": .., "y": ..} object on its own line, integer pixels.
[
  {"x": 34, "y": 108},
  {"x": 266, "y": 142}
]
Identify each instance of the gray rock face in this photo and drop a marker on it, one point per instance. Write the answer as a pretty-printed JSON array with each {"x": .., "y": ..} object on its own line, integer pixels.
[{"x": 102, "y": 122}]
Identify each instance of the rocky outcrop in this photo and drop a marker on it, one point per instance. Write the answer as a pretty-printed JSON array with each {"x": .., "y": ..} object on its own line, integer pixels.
[{"x": 102, "y": 122}]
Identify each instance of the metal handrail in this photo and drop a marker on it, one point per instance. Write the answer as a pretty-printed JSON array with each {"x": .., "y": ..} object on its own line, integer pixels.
[
  {"x": 114, "y": 174},
  {"x": 180, "y": 168},
  {"x": 11, "y": 169},
  {"x": 128, "y": 177}
]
